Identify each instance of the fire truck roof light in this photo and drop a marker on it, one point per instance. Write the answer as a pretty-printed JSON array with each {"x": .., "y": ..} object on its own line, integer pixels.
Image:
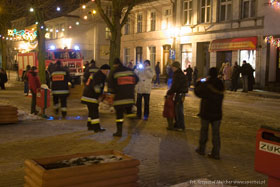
[
  {"x": 52, "y": 47},
  {"x": 76, "y": 47}
]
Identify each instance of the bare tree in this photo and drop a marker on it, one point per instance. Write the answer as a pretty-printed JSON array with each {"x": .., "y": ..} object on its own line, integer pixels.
[{"x": 120, "y": 12}]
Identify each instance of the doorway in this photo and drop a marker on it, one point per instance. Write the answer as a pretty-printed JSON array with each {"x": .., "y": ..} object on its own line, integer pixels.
[
  {"x": 223, "y": 56},
  {"x": 165, "y": 56},
  {"x": 203, "y": 58}
]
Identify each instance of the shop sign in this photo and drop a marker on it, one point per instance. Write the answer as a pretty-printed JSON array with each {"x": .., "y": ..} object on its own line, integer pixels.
[{"x": 233, "y": 44}]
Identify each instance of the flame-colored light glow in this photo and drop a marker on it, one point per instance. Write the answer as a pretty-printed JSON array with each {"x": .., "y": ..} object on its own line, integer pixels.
[{"x": 84, "y": 7}]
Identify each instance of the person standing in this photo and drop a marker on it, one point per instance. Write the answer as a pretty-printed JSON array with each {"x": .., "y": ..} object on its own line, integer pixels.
[
  {"x": 157, "y": 70},
  {"x": 246, "y": 71},
  {"x": 3, "y": 78},
  {"x": 122, "y": 83},
  {"x": 227, "y": 76},
  {"x": 235, "y": 77},
  {"x": 189, "y": 72},
  {"x": 91, "y": 69},
  {"x": 169, "y": 75},
  {"x": 34, "y": 84},
  {"x": 60, "y": 78},
  {"x": 94, "y": 88},
  {"x": 211, "y": 93},
  {"x": 144, "y": 88},
  {"x": 179, "y": 88},
  {"x": 251, "y": 79},
  {"x": 25, "y": 79}
]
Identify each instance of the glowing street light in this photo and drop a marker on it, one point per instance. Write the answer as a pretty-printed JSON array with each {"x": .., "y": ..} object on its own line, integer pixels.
[
  {"x": 93, "y": 12},
  {"x": 58, "y": 9},
  {"x": 85, "y": 17},
  {"x": 31, "y": 9},
  {"x": 84, "y": 7},
  {"x": 77, "y": 23}
]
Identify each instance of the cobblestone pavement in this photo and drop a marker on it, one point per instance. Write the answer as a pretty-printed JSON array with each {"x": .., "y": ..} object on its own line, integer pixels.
[{"x": 167, "y": 157}]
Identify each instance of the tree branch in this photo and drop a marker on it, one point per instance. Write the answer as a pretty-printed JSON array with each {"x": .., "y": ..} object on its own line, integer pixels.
[
  {"x": 127, "y": 13},
  {"x": 103, "y": 15}
]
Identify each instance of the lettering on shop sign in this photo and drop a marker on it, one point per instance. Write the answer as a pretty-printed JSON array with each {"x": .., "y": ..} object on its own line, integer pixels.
[{"x": 271, "y": 148}]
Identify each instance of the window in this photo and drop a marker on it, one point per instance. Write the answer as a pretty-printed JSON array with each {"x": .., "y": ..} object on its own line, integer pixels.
[
  {"x": 225, "y": 10},
  {"x": 139, "y": 23},
  {"x": 248, "y": 8},
  {"x": 153, "y": 21},
  {"x": 139, "y": 53},
  {"x": 187, "y": 6},
  {"x": 108, "y": 33},
  {"x": 56, "y": 30},
  {"x": 108, "y": 11},
  {"x": 127, "y": 27},
  {"x": 205, "y": 11},
  {"x": 167, "y": 19},
  {"x": 152, "y": 55},
  {"x": 126, "y": 56}
]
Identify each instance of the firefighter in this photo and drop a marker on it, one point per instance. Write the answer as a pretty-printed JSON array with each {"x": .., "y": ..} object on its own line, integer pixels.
[
  {"x": 60, "y": 78},
  {"x": 91, "y": 69},
  {"x": 93, "y": 90},
  {"x": 122, "y": 83}
]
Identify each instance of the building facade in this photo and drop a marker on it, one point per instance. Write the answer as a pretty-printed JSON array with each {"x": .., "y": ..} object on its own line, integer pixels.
[{"x": 206, "y": 33}]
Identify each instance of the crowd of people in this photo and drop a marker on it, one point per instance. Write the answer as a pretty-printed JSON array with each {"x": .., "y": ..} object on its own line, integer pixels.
[{"x": 134, "y": 82}]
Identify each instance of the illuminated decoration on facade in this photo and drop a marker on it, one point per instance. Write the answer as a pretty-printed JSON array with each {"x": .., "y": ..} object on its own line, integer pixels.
[
  {"x": 273, "y": 41},
  {"x": 23, "y": 34},
  {"x": 275, "y": 3},
  {"x": 27, "y": 46}
]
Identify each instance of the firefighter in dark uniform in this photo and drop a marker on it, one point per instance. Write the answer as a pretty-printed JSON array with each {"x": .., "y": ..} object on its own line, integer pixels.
[
  {"x": 91, "y": 69},
  {"x": 122, "y": 83},
  {"x": 93, "y": 90},
  {"x": 60, "y": 91}
]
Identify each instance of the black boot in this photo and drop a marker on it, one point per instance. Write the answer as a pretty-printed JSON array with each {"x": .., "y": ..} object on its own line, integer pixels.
[
  {"x": 119, "y": 130},
  {"x": 100, "y": 129},
  {"x": 64, "y": 114},
  {"x": 89, "y": 126}
]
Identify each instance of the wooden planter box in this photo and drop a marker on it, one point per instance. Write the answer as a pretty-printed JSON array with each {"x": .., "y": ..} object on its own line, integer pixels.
[
  {"x": 121, "y": 173},
  {"x": 8, "y": 114}
]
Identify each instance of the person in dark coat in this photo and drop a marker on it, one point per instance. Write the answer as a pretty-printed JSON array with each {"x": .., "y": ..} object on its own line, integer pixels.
[
  {"x": 235, "y": 77},
  {"x": 169, "y": 73},
  {"x": 247, "y": 74},
  {"x": 91, "y": 69},
  {"x": 179, "y": 88},
  {"x": 189, "y": 74},
  {"x": 59, "y": 85},
  {"x": 25, "y": 79},
  {"x": 3, "y": 78},
  {"x": 94, "y": 88},
  {"x": 211, "y": 92},
  {"x": 34, "y": 84},
  {"x": 157, "y": 70},
  {"x": 122, "y": 83}
]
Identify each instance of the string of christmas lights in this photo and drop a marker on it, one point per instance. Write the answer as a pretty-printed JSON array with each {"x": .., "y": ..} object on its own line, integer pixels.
[
  {"x": 273, "y": 41},
  {"x": 274, "y": 3}
]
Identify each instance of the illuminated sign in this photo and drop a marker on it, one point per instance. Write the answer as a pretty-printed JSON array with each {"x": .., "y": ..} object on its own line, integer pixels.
[{"x": 28, "y": 35}]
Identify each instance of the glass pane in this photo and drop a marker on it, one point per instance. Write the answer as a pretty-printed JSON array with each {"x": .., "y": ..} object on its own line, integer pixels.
[
  {"x": 208, "y": 14},
  {"x": 190, "y": 6},
  {"x": 229, "y": 12},
  {"x": 202, "y": 15},
  {"x": 203, "y": 3},
  {"x": 186, "y": 5},
  {"x": 253, "y": 8},
  {"x": 223, "y": 13},
  {"x": 222, "y": 1},
  {"x": 208, "y": 2},
  {"x": 190, "y": 17},
  {"x": 186, "y": 17},
  {"x": 245, "y": 9}
]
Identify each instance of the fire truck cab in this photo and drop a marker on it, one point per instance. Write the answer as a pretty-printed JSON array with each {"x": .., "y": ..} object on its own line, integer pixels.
[{"x": 70, "y": 58}]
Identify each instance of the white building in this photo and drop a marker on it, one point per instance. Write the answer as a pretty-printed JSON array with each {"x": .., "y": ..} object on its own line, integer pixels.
[{"x": 205, "y": 33}]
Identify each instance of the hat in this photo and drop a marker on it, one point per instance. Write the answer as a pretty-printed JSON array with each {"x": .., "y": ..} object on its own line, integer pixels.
[
  {"x": 176, "y": 64},
  {"x": 33, "y": 68},
  {"x": 105, "y": 66}
]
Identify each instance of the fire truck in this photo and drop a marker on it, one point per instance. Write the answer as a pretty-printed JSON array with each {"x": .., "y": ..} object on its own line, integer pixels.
[{"x": 70, "y": 58}]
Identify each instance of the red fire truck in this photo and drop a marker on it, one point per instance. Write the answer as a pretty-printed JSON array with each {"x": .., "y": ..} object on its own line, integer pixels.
[{"x": 69, "y": 57}]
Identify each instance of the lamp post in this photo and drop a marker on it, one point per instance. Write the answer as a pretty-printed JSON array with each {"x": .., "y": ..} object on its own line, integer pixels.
[{"x": 173, "y": 33}]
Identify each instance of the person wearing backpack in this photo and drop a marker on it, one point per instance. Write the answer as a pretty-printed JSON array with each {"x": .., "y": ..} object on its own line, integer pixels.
[{"x": 179, "y": 88}]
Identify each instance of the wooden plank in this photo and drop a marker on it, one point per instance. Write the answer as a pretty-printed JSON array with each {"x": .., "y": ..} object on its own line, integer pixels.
[
  {"x": 84, "y": 170},
  {"x": 33, "y": 176},
  {"x": 133, "y": 184},
  {"x": 91, "y": 178},
  {"x": 35, "y": 167},
  {"x": 30, "y": 182}
]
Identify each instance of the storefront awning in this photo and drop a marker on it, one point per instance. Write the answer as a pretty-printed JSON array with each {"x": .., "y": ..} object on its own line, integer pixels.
[{"x": 232, "y": 44}]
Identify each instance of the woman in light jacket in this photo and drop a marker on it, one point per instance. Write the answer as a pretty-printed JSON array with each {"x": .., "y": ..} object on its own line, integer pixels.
[{"x": 144, "y": 86}]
